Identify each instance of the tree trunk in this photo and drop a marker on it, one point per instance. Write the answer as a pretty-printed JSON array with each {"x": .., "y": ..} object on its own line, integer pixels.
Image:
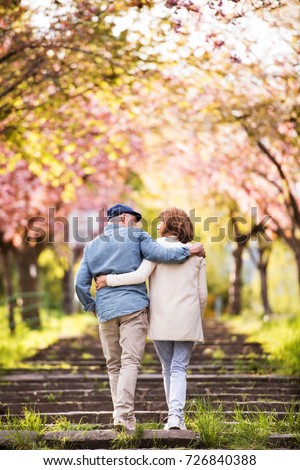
[
  {"x": 264, "y": 255},
  {"x": 235, "y": 289},
  {"x": 68, "y": 291},
  {"x": 26, "y": 259},
  {"x": 298, "y": 269},
  {"x": 294, "y": 243},
  {"x": 8, "y": 288}
]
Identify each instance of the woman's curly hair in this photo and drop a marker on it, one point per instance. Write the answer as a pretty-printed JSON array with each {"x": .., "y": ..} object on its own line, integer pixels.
[{"x": 178, "y": 223}]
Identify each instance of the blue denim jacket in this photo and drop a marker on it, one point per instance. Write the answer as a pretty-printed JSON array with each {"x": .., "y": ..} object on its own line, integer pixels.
[{"x": 120, "y": 249}]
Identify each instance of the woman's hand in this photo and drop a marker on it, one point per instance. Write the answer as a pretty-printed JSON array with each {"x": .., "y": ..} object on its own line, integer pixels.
[{"x": 100, "y": 282}]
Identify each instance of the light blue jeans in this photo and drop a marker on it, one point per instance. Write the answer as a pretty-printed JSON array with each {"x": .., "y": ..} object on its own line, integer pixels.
[{"x": 174, "y": 357}]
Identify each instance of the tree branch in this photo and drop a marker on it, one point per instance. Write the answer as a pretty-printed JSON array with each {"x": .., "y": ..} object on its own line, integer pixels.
[{"x": 291, "y": 200}]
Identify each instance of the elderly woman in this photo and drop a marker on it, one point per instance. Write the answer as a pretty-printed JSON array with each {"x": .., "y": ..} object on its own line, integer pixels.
[{"x": 178, "y": 295}]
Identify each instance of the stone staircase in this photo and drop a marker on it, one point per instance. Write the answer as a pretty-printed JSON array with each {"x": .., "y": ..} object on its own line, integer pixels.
[{"x": 69, "y": 380}]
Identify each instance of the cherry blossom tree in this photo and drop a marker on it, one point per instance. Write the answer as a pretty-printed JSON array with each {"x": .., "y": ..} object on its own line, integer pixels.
[
  {"x": 64, "y": 138},
  {"x": 108, "y": 90},
  {"x": 100, "y": 162}
]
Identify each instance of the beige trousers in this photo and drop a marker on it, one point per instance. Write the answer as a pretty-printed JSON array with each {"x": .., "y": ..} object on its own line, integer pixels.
[{"x": 123, "y": 342}]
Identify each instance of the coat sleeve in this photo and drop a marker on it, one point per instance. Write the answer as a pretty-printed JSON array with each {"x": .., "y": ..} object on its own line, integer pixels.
[
  {"x": 154, "y": 251},
  {"x": 202, "y": 286},
  {"x": 83, "y": 283},
  {"x": 135, "y": 277}
]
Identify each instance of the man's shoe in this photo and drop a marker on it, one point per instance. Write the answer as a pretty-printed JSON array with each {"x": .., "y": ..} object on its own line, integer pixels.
[{"x": 124, "y": 425}]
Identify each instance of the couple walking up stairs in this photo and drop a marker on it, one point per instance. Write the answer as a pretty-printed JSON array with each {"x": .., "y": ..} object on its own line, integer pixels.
[{"x": 230, "y": 385}]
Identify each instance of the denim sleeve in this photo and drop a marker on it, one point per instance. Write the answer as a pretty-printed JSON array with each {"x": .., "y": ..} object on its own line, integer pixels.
[
  {"x": 83, "y": 283},
  {"x": 153, "y": 251}
]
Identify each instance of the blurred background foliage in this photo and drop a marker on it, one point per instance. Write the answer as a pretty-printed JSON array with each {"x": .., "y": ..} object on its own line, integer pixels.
[{"x": 155, "y": 104}]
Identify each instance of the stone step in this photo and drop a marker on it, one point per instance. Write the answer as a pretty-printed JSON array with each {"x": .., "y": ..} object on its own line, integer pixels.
[
  {"x": 205, "y": 354},
  {"x": 105, "y": 417},
  {"x": 91, "y": 348},
  {"x": 232, "y": 360},
  {"x": 84, "y": 356},
  {"x": 46, "y": 407},
  {"x": 103, "y": 439},
  {"x": 69, "y": 380},
  {"x": 205, "y": 368},
  {"x": 147, "y": 378},
  {"x": 151, "y": 387},
  {"x": 58, "y": 396},
  {"x": 253, "y": 405},
  {"x": 211, "y": 352}
]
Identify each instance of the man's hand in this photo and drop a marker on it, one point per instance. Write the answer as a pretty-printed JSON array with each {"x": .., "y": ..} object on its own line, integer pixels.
[
  {"x": 198, "y": 250},
  {"x": 100, "y": 282}
]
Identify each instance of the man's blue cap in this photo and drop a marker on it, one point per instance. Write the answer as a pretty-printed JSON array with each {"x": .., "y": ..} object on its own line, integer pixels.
[{"x": 119, "y": 209}]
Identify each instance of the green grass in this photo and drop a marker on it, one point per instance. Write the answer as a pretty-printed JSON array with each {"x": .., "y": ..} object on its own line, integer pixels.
[
  {"x": 33, "y": 425},
  {"x": 128, "y": 441},
  {"x": 218, "y": 354},
  {"x": 252, "y": 431},
  {"x": 31, "y": 421},
  {"x": 249, "y": 431},
  {"x": 103, "y": 385},
  {"x": 202, "y": 419},
  {"x": 52, "y": 397},
  {"x": 254, "y": 363},
  {"x": 24, "y": 342},
  {"x": 279, "y": 336},
  {"x": 35, "y": 428}
]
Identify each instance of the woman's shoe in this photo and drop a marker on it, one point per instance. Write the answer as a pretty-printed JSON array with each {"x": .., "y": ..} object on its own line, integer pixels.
[
  {"x": 182, "y": 426},
  {"x": 173, "y": 422}
]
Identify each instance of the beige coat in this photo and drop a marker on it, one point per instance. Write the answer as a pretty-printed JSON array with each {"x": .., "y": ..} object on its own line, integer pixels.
[{"x": 178, "y": 295}]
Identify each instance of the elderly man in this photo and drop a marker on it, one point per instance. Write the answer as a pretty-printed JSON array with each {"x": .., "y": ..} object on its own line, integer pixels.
[{"x": 122, "y": 311}]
